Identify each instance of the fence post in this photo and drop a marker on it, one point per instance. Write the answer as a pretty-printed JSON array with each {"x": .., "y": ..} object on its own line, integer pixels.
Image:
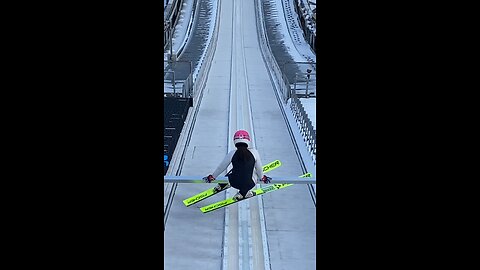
[{"x": 173, "y": 83}]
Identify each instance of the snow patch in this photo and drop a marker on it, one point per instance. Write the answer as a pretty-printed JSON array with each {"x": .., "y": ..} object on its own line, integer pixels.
[
  {"x": 300, "y": 50},
  {"x": 310, "y": 106}
]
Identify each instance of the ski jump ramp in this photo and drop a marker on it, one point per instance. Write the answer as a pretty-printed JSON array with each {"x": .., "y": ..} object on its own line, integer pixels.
[{"x": 276, "y": 231}]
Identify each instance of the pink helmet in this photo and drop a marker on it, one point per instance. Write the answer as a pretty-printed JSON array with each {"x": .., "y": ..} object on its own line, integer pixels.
[{"x": 241, "y": 136}]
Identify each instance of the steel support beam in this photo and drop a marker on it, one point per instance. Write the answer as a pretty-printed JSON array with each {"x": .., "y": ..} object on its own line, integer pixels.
[{"x": 277, "y": 180}]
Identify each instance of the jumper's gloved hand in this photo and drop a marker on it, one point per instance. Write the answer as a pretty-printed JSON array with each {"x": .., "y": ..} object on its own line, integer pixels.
[
  {"x": 266, "y": 179},
  {"x": 209, "y": 179}
]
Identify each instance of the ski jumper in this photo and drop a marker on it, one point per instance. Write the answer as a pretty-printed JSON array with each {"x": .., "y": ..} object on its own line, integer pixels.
[{"x": 245, "y": 173}]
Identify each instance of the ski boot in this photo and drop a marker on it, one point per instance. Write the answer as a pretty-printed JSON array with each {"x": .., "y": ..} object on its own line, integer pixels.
[
  {"x": 239, "y": 196},
  {"x": 221, "y": 186}
]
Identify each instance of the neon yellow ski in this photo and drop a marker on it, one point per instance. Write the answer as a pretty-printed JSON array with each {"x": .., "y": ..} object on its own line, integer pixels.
[
  {"x": 257, "y": 192},
  {"x": 212, "y": 191}
]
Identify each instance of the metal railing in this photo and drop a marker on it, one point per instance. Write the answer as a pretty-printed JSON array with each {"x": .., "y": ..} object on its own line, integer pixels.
[
  {"x": 187, "y": 84},
  {"x": 305, "y": 125},
  {"x": 301, "y": 117},
  {"x": 275, "y": 180},
  {"x": 187, "y": 87},
  {"x": 268, "y": 55},
  {"x": 171, "y": 12},
  {"x": 307, "y": 22},
  {"x": 304, "y": 84},
  {"x": 282, "y": 83},
  {"x": 200, "y": 78},
  {"x": 172, "y": 80},
  {"x": 198, "y": 82}
]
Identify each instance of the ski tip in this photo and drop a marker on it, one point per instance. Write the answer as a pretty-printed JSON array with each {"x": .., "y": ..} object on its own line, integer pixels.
[
  {"x": 208, "y": 208},
  {"x": 277, "y": 163},
  {"x": 307, "y": 175},
  {"x": 272, "y": 165},
  {"x": 189, "y": 202}
]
